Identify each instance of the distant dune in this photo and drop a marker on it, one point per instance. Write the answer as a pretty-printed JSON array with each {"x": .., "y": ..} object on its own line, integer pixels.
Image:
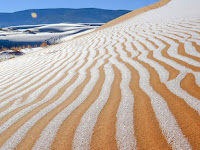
[
  {"x": 35, "y": 35},
  {"x": 132, "y": 84}
]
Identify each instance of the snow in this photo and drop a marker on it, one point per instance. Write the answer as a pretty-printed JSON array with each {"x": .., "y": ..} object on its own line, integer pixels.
[
  {"x": 75, "y": 56},
  {"x": 35, "y": 35}
]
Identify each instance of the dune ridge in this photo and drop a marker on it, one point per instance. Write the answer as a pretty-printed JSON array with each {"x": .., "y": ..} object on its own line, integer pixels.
[
  {"x": 132, "y": 84},
  {"x": 134, "y": 13}
]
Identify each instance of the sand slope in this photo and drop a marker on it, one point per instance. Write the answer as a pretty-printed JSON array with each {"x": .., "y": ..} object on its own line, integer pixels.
[{"x": 131, "y": 85}]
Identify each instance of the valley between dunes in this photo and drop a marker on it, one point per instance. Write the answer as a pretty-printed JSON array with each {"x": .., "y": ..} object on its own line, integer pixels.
[{"x": 134, "y": 83}]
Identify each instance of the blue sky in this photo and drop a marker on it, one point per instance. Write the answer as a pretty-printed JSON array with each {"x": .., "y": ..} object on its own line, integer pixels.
[{"x": 17, "y": 5}]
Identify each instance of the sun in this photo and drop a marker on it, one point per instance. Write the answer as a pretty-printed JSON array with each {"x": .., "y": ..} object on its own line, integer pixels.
[{"x": 34, "y": 15}]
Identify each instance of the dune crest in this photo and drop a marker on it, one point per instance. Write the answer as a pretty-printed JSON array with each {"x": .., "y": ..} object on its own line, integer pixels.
[{"x": 133, "y": 14}]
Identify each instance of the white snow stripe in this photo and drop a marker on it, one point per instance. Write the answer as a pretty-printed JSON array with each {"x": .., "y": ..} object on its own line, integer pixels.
[
  {"x": 44, "y": 142},
  {"x": 170, "y": 129}
]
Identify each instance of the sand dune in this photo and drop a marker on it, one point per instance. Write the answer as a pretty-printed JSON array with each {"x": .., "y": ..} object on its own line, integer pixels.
[{"x": 132, "y": 84}]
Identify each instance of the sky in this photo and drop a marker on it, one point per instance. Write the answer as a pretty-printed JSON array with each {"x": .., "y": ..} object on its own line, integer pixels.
[{"x": 18, "y": 5}]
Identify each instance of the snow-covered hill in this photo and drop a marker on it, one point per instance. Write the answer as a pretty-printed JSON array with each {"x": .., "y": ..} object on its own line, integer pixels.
[
  {"x": 35, "y": 35},
  {"x": 133, "y": 85},
  {"x": 31, "y": 37}
]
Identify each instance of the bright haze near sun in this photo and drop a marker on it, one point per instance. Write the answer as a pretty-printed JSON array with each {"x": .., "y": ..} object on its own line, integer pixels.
[{"x": 18, "y": 5}]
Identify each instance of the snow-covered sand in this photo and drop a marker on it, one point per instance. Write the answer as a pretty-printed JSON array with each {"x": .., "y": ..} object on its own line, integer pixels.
[
  {"x": 132, "y": 84},
  {"x": 35, "y": 35},
  {"x": 51, "y": 33}
]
